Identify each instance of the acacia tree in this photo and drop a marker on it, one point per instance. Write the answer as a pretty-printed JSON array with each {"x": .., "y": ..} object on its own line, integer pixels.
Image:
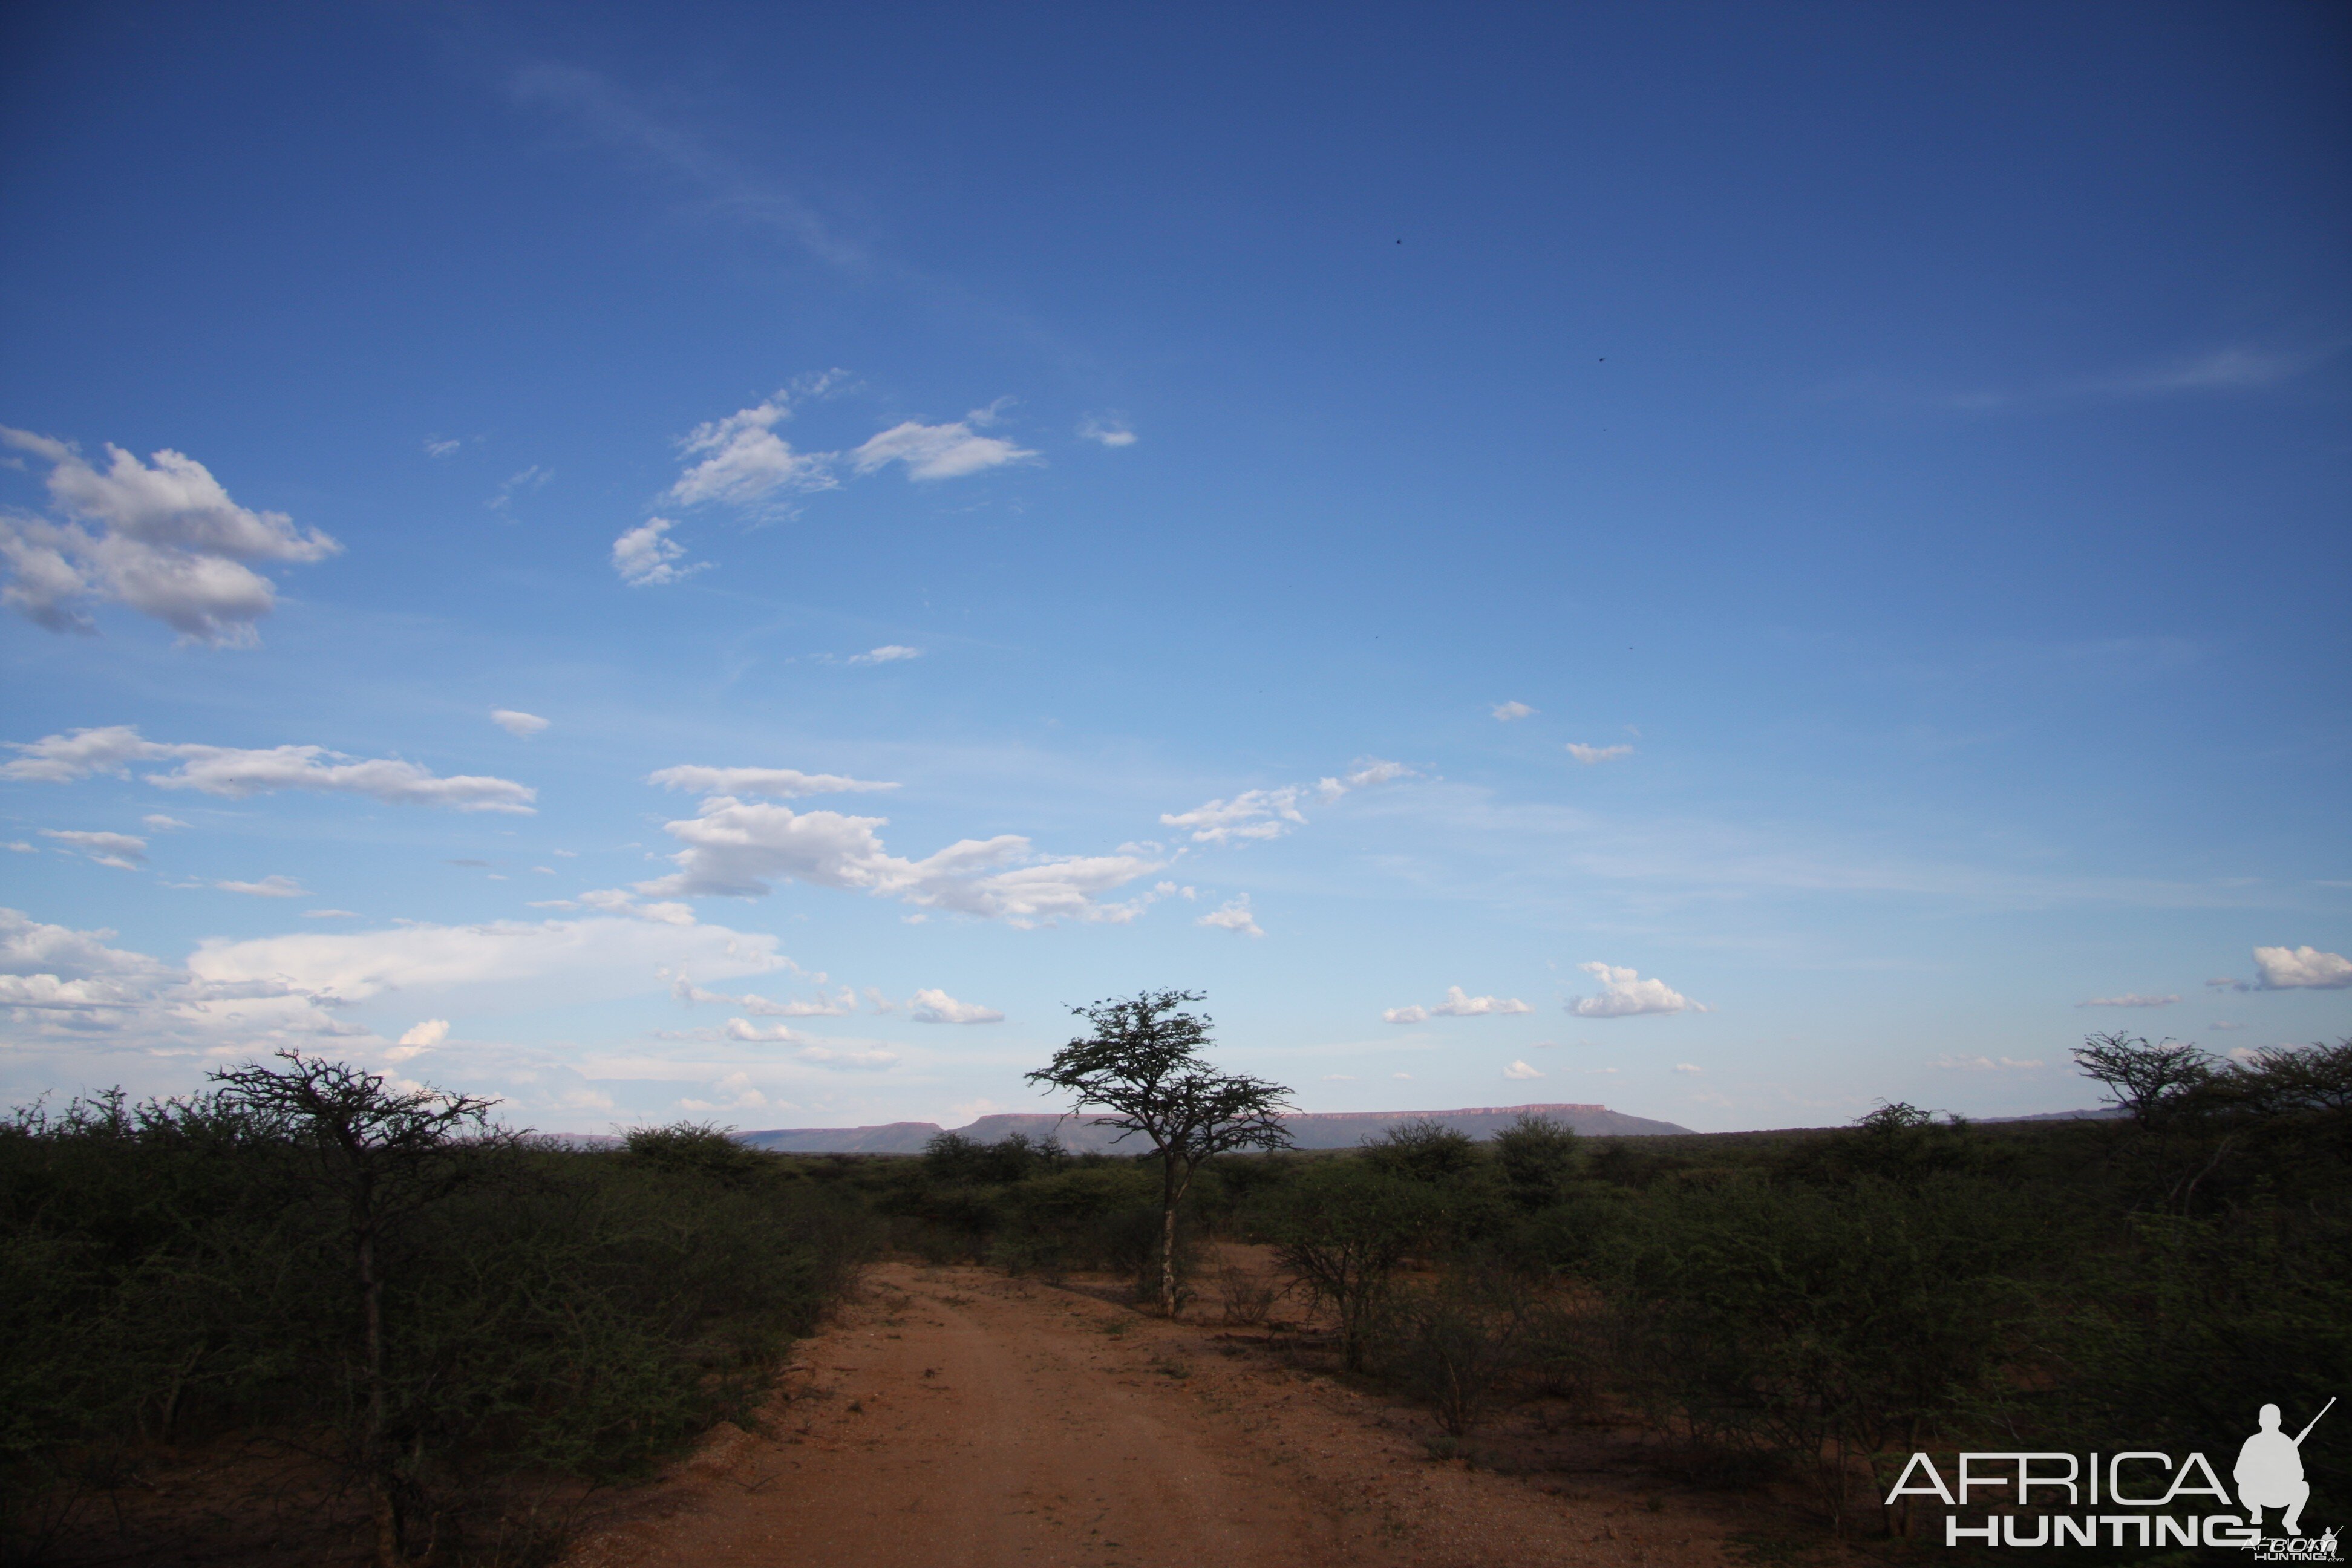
[
  {"x": 1142, "y": 1064},
  {"x": 382, "y": 1156}
]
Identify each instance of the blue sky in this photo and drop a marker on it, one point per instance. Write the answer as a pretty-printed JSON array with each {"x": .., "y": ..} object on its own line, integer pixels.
[{"x": 1726, "y": 562}]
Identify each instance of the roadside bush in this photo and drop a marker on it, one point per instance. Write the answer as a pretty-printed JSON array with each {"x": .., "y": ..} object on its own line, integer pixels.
[
  {"x": 1343, "y": 1229},
  {"x": 1828, "y": 1326},
  {"x": 1456, "y": 1343},
  {"x": 1245, "y": 1294},
  {"x": 445, "y": 1309}
]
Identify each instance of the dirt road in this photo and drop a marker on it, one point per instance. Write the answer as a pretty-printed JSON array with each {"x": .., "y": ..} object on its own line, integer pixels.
[{"x": 952, "y": 1416}]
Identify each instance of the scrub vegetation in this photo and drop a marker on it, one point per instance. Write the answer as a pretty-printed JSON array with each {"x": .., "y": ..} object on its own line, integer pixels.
[
  {"x": 1796, "y": 1310},
  {"x": 443, "y": 1327},
  {"x": 405, "y": 1315}
]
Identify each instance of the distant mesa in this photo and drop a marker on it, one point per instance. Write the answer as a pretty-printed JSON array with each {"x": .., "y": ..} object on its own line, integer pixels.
[{"x": 1310, "y": 1130}]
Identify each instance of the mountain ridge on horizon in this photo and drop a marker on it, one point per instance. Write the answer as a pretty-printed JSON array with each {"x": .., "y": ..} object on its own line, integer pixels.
[{"x": 1308, "y": 1129}]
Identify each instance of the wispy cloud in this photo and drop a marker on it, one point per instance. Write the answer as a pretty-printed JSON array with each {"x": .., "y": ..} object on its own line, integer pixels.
[
  {"x": 267, "y": 887},
  {"x": 836, "y": 1006},
  {"x": 520, "y": 725},
  {"x": 1986, "y": 1064},
  {"x": 1509, "y": 712},
  {"x": 2220, "y": 371},
  {"x": 1108, "y": 432},
  {"x": 741, "y": 462},
  {"x": 1234, "y": 915},
  {"x": 235, "y": 772},
  {"x": 1588, "y": 755},
  {"x": 646, "y": 557},
  {"x": 529, "y": 481},
  {"x": 1262, "y": 814},
  {"x": 2129, "y": 999},
  {"x": 119, "y": 850},
  {"x": 591, "y": 103},
  {"x": 938, "y": 451},
  {"x": 890, "y": 653},
  {"x": 1458, "y": 1004},
  {"x": 735, "y": 847},
  {"x": 1522, "y": 1071},
  {"x": 777, "y": 783}
]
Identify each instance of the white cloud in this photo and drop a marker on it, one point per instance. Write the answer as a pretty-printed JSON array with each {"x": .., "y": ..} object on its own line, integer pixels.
[
  {"x": 1624, "y": 996},
  {"x": 1507, "y": 712},
  {"x": 614, "y": 901},
  {"x": 1458, "y": 1006},
  {"x": 53, "y": 978},
  {"x": 267, "y": 887},
  {"x": 1588, "y": 755},
  {"x": 236, "y": 772},
  {"x": 331, "y": 914},
  {"x": 1234, "y": 915},
  {"x": 779, "y": 783},
  {"x": 2301, "y": 968},
  {"x": 435, "y": 447},
  {"x": 117, "y": 849},
  {"x": 1255, "y": 814},
  {"x": 520, "y": 725},
  {"x": 1262, "y": 814},
  {"x": 1339, "y": 1077},
  {"x": 426, "y": 1035},
  {"x": 646, "y": 558},
  {"x": 166, "y": 541},
  {"x": 1983, "y": 1064},
  {"x": 590, "y": 958},
  {"x": 738, "y": 848},
  {"x": 745, "y": 463},
  {"x": 745, "y": 1030},
  {"x": 159, "y": 823},
  {"x": 939, "y": 451},
  {"x": 890, "y": 653},
  {"x": 1686, "y": 1067},
  {"x": 1522, "y": 1071},
  {"x": 933, "y": 1006},
  {"x": 2129, "y": 999},
  {"x": 19, "y": 846},
  {"x": 759, "y": 1007},
  {"x": 1109, "y": 432}
]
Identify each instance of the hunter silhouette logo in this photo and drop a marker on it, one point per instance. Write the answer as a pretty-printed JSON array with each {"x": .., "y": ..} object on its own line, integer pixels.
[
  {"x": 2138, "y": 1498},
  {"x": 2270, "y": 1472}
]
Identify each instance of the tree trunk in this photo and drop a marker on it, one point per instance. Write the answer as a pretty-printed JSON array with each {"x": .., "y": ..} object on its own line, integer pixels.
[
  {"x": 389, "y": 1552},
  {"x": 1172, "y": 1193}
]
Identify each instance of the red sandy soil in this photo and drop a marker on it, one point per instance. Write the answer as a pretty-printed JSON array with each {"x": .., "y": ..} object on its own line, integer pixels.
[{"x": 954, "y": 1417}]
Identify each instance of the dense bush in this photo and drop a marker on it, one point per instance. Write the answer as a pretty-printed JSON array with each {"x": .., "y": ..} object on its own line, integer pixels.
[{"x": 429, "y": 1318}]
